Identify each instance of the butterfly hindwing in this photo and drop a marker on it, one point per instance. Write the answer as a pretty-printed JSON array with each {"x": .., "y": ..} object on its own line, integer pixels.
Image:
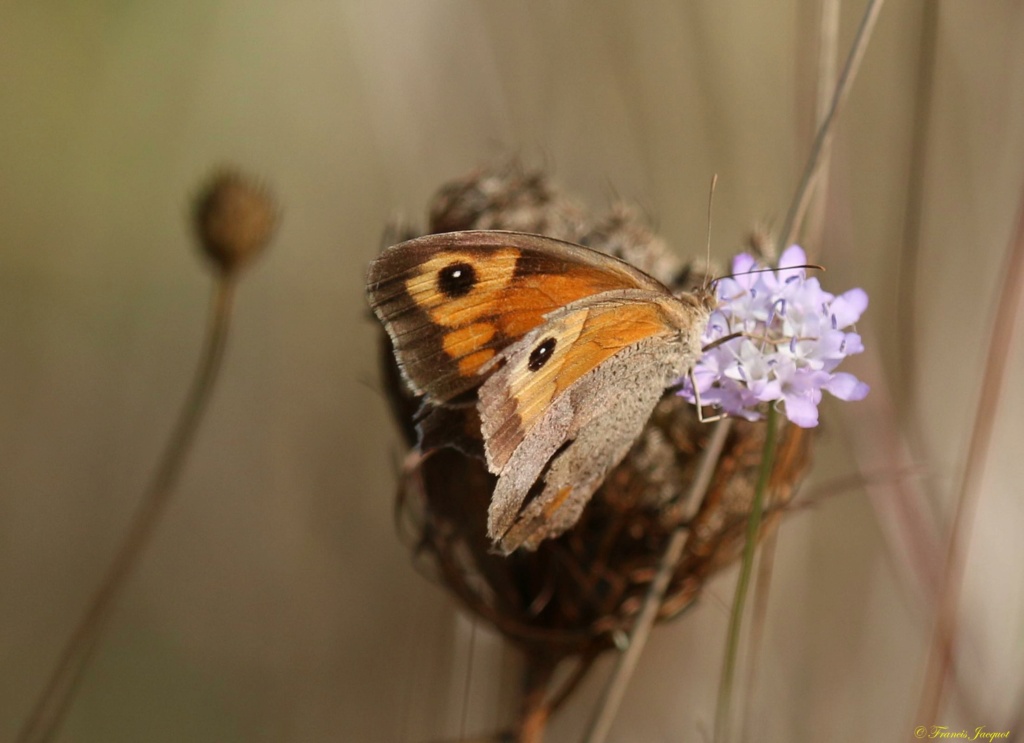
[{"x": 569, "y": 401}]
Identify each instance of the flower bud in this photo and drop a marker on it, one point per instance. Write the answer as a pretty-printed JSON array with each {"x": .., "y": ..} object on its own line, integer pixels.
[{"x": 234, "y": 219}]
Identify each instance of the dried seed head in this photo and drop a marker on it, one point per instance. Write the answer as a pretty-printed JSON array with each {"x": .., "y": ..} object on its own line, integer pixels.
[
  {"x": 575, "y": 595},
  {"x": 506, "y": 197},
  {"x": 234, "y": 219}
]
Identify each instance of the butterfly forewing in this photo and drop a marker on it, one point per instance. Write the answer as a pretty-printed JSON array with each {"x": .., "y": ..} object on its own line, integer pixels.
[{"x": 452, "y": 302}]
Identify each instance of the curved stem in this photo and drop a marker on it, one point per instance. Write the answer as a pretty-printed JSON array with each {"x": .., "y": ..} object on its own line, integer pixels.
[
  {"x": 54, "y": 701},
  {"x": 743, "y": 584}
]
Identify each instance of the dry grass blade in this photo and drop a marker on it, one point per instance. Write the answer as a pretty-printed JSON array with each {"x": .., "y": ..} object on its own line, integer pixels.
[
  {"x": 1007, "y": 310},
  {"x": 907, "y": 268},
  {"x": 828, "y": 56},
  {"x": 611, "y": 697},
  {"x": 804, "y": 192}
]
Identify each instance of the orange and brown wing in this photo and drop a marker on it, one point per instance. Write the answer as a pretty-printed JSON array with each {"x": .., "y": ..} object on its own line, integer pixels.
[
  {"x": 569, "y": 401},
  {"x": 451, "y": 302},
  {"x": 541, "y": 367}
]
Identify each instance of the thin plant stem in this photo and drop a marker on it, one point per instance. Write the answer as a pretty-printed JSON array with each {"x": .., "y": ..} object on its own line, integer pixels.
[
  {"x": 908, "y": 257},
  {"x": 608, "y": 705},
  {"x": 722, "y": 710},
  {"x": 828, "y": 54},
  {"x": 1007, "y": 312},
  {"x": 809, "y": 190},
  {"x": 469, "y": 677},
  {"x": 822, "y": 140},
  {"x": 762, "y": 591},
  {"x": 54, "y": 702},
  {"x": 535, "y": 707},
  {"x": 828, "y": 46}
]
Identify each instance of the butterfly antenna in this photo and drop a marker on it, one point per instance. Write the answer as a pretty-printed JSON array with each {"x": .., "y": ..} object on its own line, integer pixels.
[
  {"x": 810, "y": 266},
  {"x": 707, "y": 260}
]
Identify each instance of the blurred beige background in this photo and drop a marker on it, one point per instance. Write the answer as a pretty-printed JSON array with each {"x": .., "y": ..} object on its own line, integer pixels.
[{"x": 277, "y": 603}]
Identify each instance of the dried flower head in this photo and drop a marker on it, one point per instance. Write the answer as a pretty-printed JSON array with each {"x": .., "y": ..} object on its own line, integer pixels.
[
  {"x": 234, "y": 218},
  {"x": 793, "y": 336},
  {"x": 570, "y": 599}
]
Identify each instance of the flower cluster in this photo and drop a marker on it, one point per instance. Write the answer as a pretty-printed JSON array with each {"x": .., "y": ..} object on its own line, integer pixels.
[{"x": 792, "y": 336}]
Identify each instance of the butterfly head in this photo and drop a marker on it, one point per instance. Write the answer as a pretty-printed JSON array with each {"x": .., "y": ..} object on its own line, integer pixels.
[{"x": 702, "y": 301}]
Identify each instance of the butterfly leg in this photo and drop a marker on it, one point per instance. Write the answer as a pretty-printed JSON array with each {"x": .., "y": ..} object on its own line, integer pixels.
[
  {"x": 696, "y": 394},
  {"x": 700, "y": 406},
  {"x": 719, "y": 341}
]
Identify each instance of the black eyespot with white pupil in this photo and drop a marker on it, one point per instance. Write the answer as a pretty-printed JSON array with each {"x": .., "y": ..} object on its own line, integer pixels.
[
  {"x": 456, "y": 280},
  {"x": 540, "y": 355}
]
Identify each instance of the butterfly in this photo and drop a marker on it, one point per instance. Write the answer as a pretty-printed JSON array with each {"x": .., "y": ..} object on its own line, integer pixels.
[{"x": 565, "y": 351}]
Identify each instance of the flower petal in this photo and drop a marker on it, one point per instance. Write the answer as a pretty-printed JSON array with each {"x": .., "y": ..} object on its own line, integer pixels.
[
  {"x": 794, "y": 255},
  {"x": 848, "y": 307},
  {"x": 743, "y": 263},
  {"x": 802, "y": 411},
  {"x": 852, "y": 344},
  {"x": 847, "y": 387}
]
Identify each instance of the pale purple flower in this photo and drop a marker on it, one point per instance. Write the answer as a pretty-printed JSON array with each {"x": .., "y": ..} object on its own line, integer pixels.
[{"x": 794, "y": 335}]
